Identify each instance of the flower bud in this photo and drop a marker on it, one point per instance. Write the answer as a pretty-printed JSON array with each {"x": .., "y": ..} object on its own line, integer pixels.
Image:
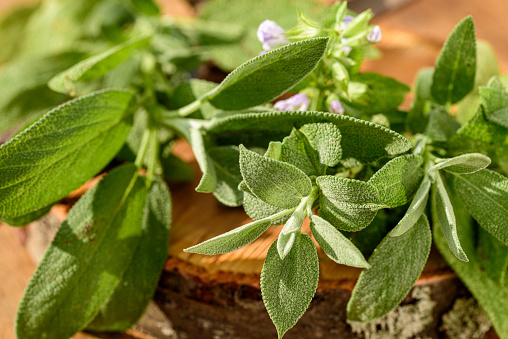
[
  {"x": 271, "y": 35},
  {"x": 336, "y": 107},
  {"x": 374, "y": 35},
  {"x": 298, "y": 102}
]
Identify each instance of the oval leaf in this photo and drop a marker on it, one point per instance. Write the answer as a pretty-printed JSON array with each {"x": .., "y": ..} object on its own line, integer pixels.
[
  {"x": 288, "y": 284},
  {"x": 442, "y": 214},
  {"x": 485, "y": 196},
  {"x": 139, "y": 281},
  {"x": 348, "y": 204},
  {"x": 61, "y": 151},
  {"x": 361, "y": 140},
  {"x": 456, "y": 65},
  {"x": 396, "y": 264},
  {"x": 95, "y": 66},
  {"x": 78, "y": 274},
  {"x": 325, "y": 138},
  {"x": 275, "y": 182},
  {"x": 336, "y": 246},
  {"x": 398, "y": 180},
  {"x": 267, "y": 76},
  {"x": 463, "y": 164},
  {"x": 414, "y": 211},
  {"x": 233, "y": 239}
]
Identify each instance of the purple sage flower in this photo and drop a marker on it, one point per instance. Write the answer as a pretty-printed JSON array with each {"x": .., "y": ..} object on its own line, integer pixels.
[
  {"x": 347, "y": 19},
  {"x": 271, "y": 35},
  {"x": 346, "y": 49},
  {"x": 374, "y": 35},
  {"x": 336, "y": 107},
  {"x": 298, "y": 102}
]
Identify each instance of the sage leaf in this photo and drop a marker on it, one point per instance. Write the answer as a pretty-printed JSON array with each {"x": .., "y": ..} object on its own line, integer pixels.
[
  {"x": 23, "y": 88},
  {"x": 414, "y": 211},
  {"x": 336, "y": 246},
  {"x": 485, "y": 196},
  {"x": 276, "y": 183},
  {"x": 492, "y": 255},
  {"x": 257, "y": 209},
  {"x": 188, "y": 92},
  {"x": 291, "y": 230},
  {"x": 12, "y": 24},
  {"x": 441, "y": 126},
  {"x": 456, "y": 65},
  {"x": 95, "y": 66},
  {"x": 267, "y": 76},
  {"x": 297, "y": 151},
  {"x": 175, "y": 169},
  {"x": 495, "y": 102},
  {"x": 138, "y": 283},
  {"x": 148, "y": 7},
  {"x": 500, "y": 117},
  {"x": 232, "y": 240},
  {"x": 361, "y": 140},
  {"x": 62, "y": 151},
  {"x": 226, "y": 161},
  {"x": 398, "y": 180},
  {"x": 396, "y": 264},
  {"x": 325, "y": 138},
  {"x": 417, "y": 117},
  {"x": 490, "y": 294},
  {"x": 348, "y": 204},
  {"x": 462, "y": 164},
  {"x": 443, "y": 215},
  {"x": 78, "y": 273},
  {"x": 288, "y": 285},
  {"x": 25, "y": 219}
]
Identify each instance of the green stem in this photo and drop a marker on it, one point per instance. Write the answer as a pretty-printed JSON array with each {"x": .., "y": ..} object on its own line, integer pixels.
[
  {"x": 154, "y": 156},
  {"x": 190, "y": 108},
  {"x": 142, "y": 149}
]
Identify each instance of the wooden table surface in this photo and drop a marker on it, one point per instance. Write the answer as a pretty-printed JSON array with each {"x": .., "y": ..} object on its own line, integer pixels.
[{"x": 412, "y": 38}]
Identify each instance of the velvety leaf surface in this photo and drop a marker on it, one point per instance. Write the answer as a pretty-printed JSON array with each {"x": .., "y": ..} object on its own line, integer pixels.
[
  {"x": 441, "y": 126},
  {"x": 348, "y": 204},
  {"x": 232, "y": 240},
  {"x": 87, "y": 259},
  {"x": 490, "y": 294},
  {"x": 417, "y": 118},
  {"x": 325, "y": 138},
  {"x": 415, "y": 210},
  {"x": 191, "y": 91},
  {"x": 226, "y": 160},
  {"x": 456, "y": 66},
  {"x": 276, "y": 183},
  {"x": 362, "y": 140},
  {"x": 485, "y": 196},
  {"x": 396, "y": 264},
  {"x": 139, "y": 281},
  {"x": 297, "y": 151},
  {"x": 336, "y": 246},
  {"x": 398, "y": 180},
  {"x": 463, "y": 164},
  {"x": 267, "y": 76},
  {"x": 258, "y": 209},
  {"x": 444, "y": 216},
  {"x": 288, "y": 284},
  {"x": 492, "y": 255},
  {"x": 61, "y": 151}
]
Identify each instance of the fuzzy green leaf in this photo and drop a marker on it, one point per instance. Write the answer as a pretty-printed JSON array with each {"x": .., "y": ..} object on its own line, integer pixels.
[
  {"x": 267, "y": 76},
  {"x": 257, "y": 209},
  {"x": 500, "y": 117},
  {"x": 78, "y": 274},
  {"x": 398, "y": 180},
  {"x": 297, "y": 151},
  {"x": 441, "y": 125},
  {"x": 443, "y": 215},
  {"x": 276, "y": 183},
  {"x": 325, "y": 138},
  {"x": 491, "y": 295},
  {"x": 396, "y": 264},
  {"x": 492, "y": 255},
  {"x": 456, "y": 66},
  {"x": 62, "y": 151},
  {"x": 23, "y": 87},
  {"x": 361, "y": 140},
  {"x": 288, "y": 284},
  {"x": 139, "y": 281},
  {"x": 336, "y": 246},
  {"x": 463, "y": 164},
  {"x": 414, "y": 211},
  {"x": 417, "y": 118},
  {"x": 227, "y": 168},
  {"x": 495, "y": 102},
  {"x": 188, "y": 92},
  {"x": 233, "y": 239},
  {"x": 348, "y": 204},
  {"x": 485, "y": 196},
  {"x": 95, "y": 66}
]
